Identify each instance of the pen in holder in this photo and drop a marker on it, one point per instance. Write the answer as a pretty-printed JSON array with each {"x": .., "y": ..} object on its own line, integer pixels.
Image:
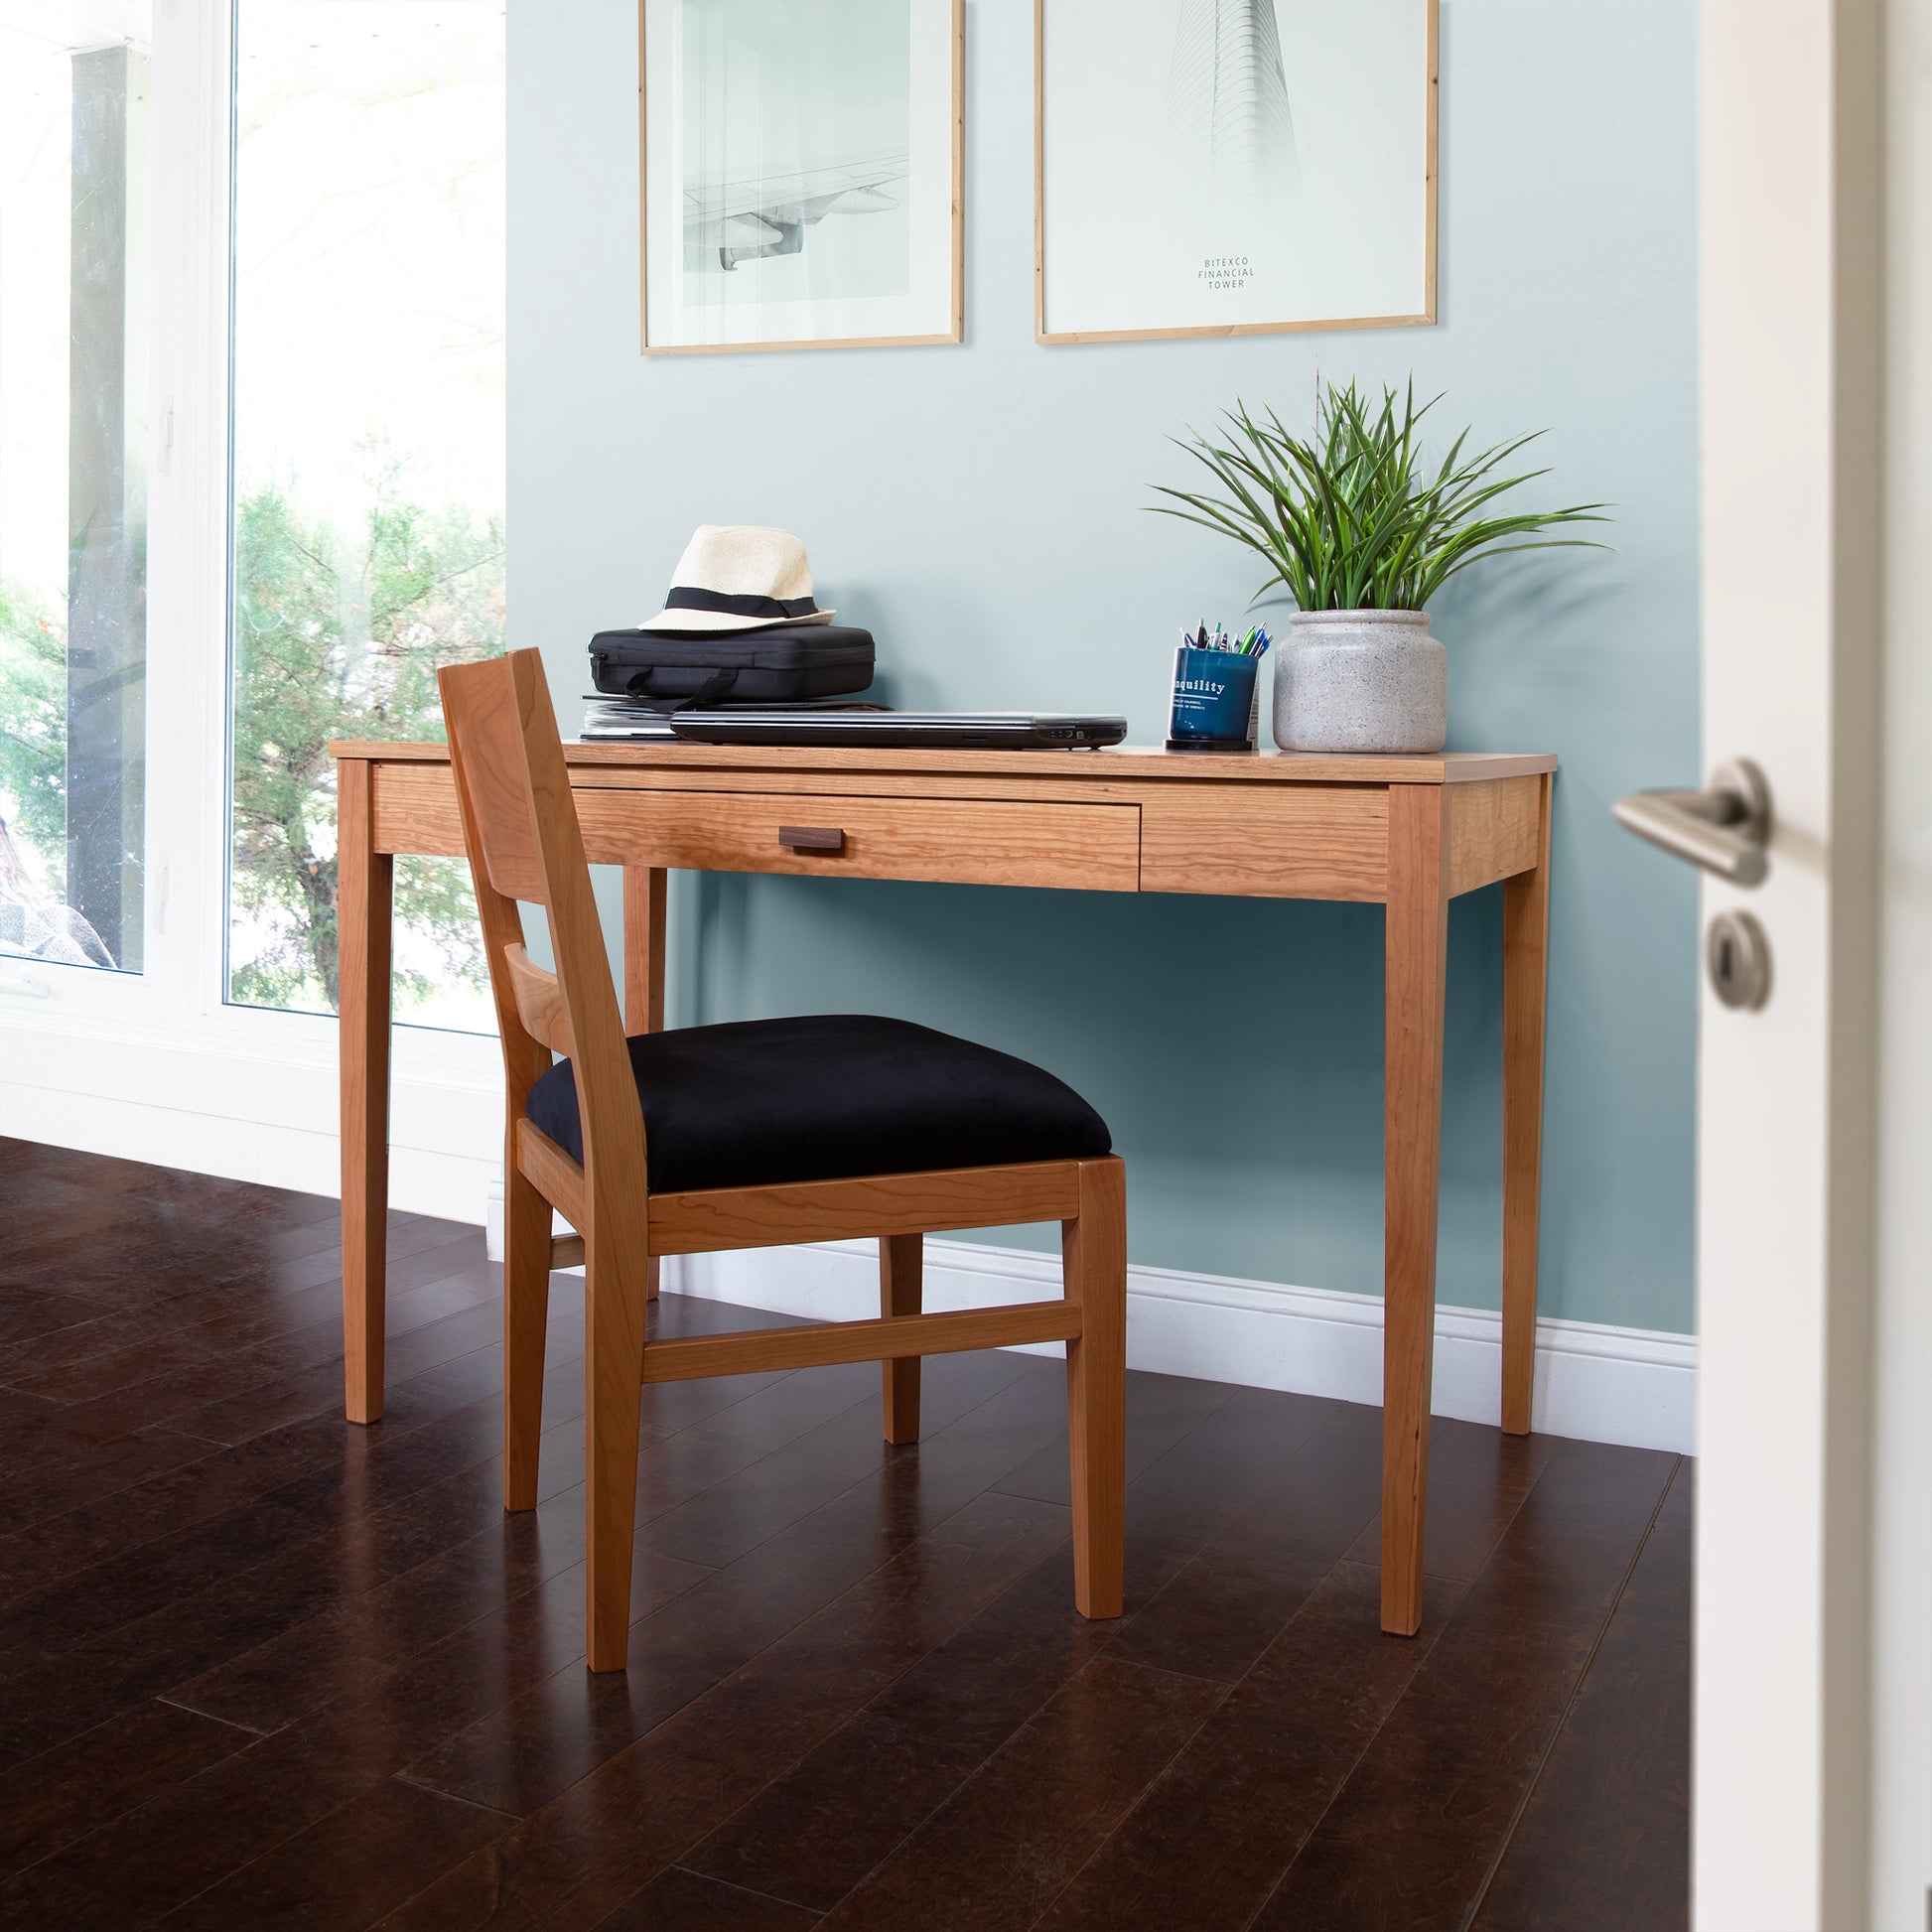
[{"x": 1214, "y": 701}]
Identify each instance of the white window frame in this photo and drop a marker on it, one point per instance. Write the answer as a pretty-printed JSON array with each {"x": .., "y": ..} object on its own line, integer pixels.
[{"x": 158, "y": 1066}]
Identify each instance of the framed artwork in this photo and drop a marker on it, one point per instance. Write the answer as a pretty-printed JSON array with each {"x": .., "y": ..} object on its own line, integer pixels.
[
  {"x": 1232, "y": 167},
  {"x": 802, "y": 173}
]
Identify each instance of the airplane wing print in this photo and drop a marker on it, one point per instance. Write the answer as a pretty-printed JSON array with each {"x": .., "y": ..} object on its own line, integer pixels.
[{"x": 745, "y": 220}]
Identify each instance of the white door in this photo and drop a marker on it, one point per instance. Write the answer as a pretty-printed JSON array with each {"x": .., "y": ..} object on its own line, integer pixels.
[{"x": 1811, "y": 1808}]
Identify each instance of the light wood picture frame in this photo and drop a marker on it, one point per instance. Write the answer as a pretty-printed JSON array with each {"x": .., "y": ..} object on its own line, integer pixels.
[
  {"x": 904, "y": 279},
  {"x": 1163, "y": 168}
]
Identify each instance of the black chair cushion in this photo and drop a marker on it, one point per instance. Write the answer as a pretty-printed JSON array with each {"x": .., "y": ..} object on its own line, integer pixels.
[{"x": 825, "y": 1096}]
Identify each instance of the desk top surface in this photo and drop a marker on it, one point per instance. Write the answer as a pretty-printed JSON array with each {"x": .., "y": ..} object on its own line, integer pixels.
[{"x": 1116, "y": 763}]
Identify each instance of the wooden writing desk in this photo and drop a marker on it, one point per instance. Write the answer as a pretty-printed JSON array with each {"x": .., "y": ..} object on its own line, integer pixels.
[{"x": 1408, "y": 833}]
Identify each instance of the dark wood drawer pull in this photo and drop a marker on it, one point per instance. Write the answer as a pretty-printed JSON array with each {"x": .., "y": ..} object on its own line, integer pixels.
[{"x": 812, "y": 838}]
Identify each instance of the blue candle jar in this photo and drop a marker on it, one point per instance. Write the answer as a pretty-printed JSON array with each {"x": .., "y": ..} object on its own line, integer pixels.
[{"x": 1213, "y": 700}]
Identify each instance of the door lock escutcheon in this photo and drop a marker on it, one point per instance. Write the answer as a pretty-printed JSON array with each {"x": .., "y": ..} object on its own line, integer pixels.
[{"x": 1738, "y": 956}]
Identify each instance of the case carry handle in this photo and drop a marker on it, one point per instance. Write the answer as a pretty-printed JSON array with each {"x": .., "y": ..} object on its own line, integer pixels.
[{"x": 709, "y": 692}]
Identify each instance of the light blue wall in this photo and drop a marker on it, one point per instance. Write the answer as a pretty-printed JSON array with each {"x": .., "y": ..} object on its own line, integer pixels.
[{"x": 979, "y": 508}]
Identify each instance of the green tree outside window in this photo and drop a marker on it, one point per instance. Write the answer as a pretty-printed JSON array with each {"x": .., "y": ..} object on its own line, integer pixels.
[
  {"x": 337, "y": 633},
  {"x": 340, "y": 635}
]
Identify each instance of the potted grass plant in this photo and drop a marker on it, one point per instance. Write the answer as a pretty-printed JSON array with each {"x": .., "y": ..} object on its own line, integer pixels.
[{"x": 1361, "y": 530}]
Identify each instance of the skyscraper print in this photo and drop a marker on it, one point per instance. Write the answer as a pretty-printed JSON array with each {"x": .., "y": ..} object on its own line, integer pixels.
[
  {"x": 1228, "y": 127},
  {"x": 1223, "y": 166}
]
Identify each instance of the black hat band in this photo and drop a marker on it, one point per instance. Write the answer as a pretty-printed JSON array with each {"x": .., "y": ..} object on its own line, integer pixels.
[{"x": 685, "y": 597}]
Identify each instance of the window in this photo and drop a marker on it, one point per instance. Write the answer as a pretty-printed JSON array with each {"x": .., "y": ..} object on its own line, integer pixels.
[
  {"x": 368, "y": 513},
  {"x": 74, "y": 426},
  {"x": 242, "y": 515}
]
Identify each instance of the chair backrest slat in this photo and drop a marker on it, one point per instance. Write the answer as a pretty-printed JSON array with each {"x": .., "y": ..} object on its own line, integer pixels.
[
  {"x": 519, "y": 822},
  {"x": 499, "y": 796},
  {"x": 539, "y": 1000}
]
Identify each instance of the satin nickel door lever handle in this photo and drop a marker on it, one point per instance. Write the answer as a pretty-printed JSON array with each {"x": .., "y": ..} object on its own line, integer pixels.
[{"x": 1725, "y": 828}]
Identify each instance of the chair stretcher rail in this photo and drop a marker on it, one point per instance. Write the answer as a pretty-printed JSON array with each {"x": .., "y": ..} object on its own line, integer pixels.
[{"x": 752, "y": 1350}]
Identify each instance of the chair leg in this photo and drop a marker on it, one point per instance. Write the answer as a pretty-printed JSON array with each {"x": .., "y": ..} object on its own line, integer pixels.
[
  {"x": 526, "y": 1311},
  {"x": 1093, "y": 1247},
  {"x": 901, "y": 1262},
  {"x": 614, "y": 1363}
]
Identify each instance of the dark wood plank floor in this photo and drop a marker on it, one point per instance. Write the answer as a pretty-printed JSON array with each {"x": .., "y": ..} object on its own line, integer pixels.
[{"x": 265, "y": 1669}]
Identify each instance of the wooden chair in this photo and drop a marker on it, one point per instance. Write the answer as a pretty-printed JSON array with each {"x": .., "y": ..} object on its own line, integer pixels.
[{"x": 763, "y": 1133}]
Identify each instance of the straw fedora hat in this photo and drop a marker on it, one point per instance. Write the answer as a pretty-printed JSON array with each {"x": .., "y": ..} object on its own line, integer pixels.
[{"x": 737, "y": 577}]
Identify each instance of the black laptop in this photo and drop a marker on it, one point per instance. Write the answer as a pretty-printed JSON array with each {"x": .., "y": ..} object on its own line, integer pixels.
[{"x": 1054, "y": 731}]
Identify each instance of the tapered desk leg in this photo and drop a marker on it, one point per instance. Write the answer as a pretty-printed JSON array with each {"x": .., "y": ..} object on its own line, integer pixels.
[
  {"x": 643, "y": 948},
  {"x": 1416, "y": 947},
  {"x": 644, "y": 899},
  {"x": 365, "y": 909},
  {"x": 1526, "y": 965}
]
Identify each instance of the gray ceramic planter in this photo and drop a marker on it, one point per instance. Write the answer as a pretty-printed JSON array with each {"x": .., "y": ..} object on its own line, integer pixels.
[{"x": 1360, "y": 681}]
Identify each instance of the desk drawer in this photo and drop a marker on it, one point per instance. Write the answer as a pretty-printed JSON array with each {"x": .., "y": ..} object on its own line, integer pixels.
[
  {"x": 1267, "y": 841},
  {"x": 965, "y": 840}
]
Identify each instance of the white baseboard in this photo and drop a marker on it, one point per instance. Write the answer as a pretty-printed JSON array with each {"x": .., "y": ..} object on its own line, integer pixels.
[
  {"x": 1599, "y": 1384},
  {"x": 249, "y": 1111},
  {"x": 1592, "y": 1382},
  {"x": 421, "y": 1182}
]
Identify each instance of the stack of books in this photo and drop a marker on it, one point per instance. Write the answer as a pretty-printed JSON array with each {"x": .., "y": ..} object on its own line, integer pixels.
[
  {"x": 623, "y": 718},
  {"x": 607, "y": 719}
]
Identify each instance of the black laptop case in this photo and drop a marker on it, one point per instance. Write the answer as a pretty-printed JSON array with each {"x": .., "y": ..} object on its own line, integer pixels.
[{"x": 776, "y": 666}]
